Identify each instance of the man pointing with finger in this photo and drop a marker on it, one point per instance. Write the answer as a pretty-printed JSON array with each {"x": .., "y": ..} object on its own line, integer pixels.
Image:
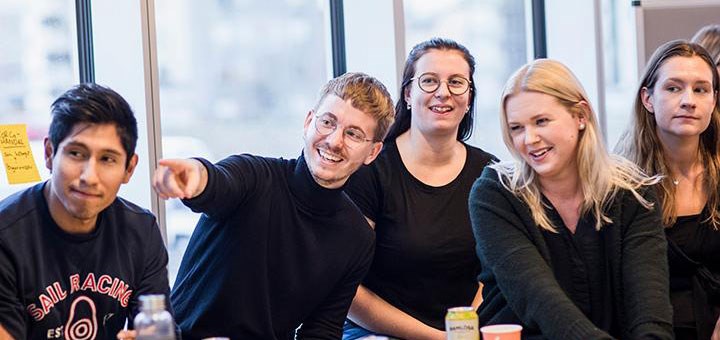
[{"x": 280, "y": 249}]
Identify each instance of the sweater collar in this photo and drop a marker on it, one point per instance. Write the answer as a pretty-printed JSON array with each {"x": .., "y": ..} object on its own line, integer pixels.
[{"x": 311, "y": 195}]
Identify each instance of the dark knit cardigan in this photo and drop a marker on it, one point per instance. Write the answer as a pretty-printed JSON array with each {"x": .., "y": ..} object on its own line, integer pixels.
[{"x": 519, "y": 284}]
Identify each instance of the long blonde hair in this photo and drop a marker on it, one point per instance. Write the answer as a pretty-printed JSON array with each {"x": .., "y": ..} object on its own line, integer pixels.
[
  {"x": 601, "y": 174},
  {"x": 641, "y": 144}
]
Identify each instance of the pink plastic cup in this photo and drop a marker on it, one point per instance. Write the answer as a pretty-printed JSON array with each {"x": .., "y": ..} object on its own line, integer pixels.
[{"x": 501, "y": 332}]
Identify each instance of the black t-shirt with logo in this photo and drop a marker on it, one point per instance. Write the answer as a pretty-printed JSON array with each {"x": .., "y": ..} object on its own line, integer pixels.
[{"x": 55, "y": 285}]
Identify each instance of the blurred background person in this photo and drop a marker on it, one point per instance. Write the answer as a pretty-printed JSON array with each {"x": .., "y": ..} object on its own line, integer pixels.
[{"x": 709, "y": 38}]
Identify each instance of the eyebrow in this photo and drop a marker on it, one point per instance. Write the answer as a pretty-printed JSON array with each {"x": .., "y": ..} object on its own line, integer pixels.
[
  {"x": 678, "y": 80},
  {"x": 450, "y": 76},
  {"x": 328, "y": 113},
  {"x": 536, "y": 116},
  {"x": 84, "y": 146}
]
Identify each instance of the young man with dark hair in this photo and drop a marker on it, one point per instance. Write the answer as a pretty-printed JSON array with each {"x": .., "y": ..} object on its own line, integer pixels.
[
  {"x": 280, "y": 249},
  {"x": 74, "y": 257}
]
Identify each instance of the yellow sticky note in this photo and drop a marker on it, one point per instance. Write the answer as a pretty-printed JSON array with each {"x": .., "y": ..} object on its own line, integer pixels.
[{"x": 16, "y": 154}]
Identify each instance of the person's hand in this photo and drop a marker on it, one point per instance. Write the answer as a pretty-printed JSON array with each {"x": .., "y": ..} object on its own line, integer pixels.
[
  {"x": 179, "y": 178},
  {"x": 442, "y": 335},
  {"x": 126, "y": 335},
  {"x": 716, "y": 332},
  {"x": 4, "y": 335}
]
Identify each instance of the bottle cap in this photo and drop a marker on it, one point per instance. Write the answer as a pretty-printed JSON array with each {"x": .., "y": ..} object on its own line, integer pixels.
[{"x": 152, "y": 302}]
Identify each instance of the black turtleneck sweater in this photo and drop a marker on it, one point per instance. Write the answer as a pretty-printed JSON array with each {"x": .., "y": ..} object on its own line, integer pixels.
[{"x": 273, "y": 251}]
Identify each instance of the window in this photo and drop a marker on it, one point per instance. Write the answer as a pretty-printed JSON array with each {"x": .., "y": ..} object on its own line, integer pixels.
[
  {"x": 621, "y": 74},
  {"x": 37, "y": 64},
  {"x": 494, "y": 32},
  {"x": 235, "y": 77}
]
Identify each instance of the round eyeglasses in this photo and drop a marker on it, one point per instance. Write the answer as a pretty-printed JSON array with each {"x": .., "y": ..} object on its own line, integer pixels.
[
  {"x": 430, "y": 82},
  {"x": 326, "y": 124}
]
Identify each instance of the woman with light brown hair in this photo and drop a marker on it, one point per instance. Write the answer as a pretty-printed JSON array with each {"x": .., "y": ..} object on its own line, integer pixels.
[
  {"x": 674, "y": 132},
  {"x": 568, "y": 236},
  {"x": 709, "y": 38}
]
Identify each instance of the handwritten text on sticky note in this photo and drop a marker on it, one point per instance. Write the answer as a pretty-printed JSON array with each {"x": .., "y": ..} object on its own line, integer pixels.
[{"x": 16, "y": 154}]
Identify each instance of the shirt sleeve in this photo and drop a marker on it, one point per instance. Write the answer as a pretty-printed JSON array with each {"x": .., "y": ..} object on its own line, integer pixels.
[
  {"x": 524, "y": 278},
  {"x": 326, "y": 321},
  {"x": 230, "y": 182},
  {"x": 645, "y": 269},
  {"x": 154, "y": 277},
  {"x": 364, "y": 189},
  {"x": 13, "y": 316}
]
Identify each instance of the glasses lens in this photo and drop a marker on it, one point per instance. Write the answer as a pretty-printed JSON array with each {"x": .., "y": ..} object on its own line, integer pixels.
[
  {"x": 458, "y": 85},
  {"x": 354, "y": 135},
  {"x": 325, "y": 125},
  {"x": 428, "y": 83}
]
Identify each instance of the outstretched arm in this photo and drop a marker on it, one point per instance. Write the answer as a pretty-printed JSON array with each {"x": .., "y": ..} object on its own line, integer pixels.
[
  {"x": 375, "y": 314},
  {"x": 180, "y": 178},
  {"x": 4, "y": 335},
  {"x": 478, "y": 299}
]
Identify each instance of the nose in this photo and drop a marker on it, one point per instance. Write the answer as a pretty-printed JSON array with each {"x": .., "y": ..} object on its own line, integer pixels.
[
  {"x": 336, "y": 139},
  {"x": 443, "y": 90},
  {"x": 89, "y": 174},
  {"x": 688, "y": 100},
  {"x": 531, "y": 137}
]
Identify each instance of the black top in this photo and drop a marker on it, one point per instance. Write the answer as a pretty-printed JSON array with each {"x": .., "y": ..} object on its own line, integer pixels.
[
  {"x": 696, "y": 304},
  {"x": 272, "y": 250},
  {"x": 59, "y": 285},
  {"x": 518, "y": 271},
  {"x": 425, "y": 256},
  {"x": 578, "y": 263}
]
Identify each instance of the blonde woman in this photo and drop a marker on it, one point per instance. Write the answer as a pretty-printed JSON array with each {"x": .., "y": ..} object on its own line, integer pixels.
[
  {"x": 568, "y": 237},
  {"x": 675, "y": 133}
]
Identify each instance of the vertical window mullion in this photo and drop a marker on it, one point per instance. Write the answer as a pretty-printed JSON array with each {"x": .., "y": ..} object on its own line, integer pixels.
[
  {"x": 337, "y": 29},
  {"x": 86, "y": 60}
]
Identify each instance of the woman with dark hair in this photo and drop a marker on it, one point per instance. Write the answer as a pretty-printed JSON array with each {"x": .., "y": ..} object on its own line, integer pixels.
[
  {"x": 675, "y": 133},
  {"x": 415, "y": 196}
]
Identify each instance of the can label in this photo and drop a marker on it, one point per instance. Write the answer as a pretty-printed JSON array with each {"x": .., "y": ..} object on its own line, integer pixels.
[{"x": 461, "y": 323}]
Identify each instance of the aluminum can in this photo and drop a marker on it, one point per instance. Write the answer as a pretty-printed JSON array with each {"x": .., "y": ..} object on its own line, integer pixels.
[{"x": 461, "y": 323}]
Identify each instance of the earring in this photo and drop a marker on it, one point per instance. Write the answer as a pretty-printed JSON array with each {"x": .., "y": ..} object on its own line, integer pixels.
[
  {"x": 582, "y": 126},
  {"x": 408, "y": 106},
  {"x": 467, "y": 110}
]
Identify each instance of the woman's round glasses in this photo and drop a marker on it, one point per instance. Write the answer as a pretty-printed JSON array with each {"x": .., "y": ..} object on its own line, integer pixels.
[
  {"x": 430, "y": 82},
  {"x": 326, "y": 124}
]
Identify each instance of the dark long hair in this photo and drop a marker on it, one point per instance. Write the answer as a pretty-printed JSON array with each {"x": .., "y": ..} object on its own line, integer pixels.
[{"x": 403, "y": 114}]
